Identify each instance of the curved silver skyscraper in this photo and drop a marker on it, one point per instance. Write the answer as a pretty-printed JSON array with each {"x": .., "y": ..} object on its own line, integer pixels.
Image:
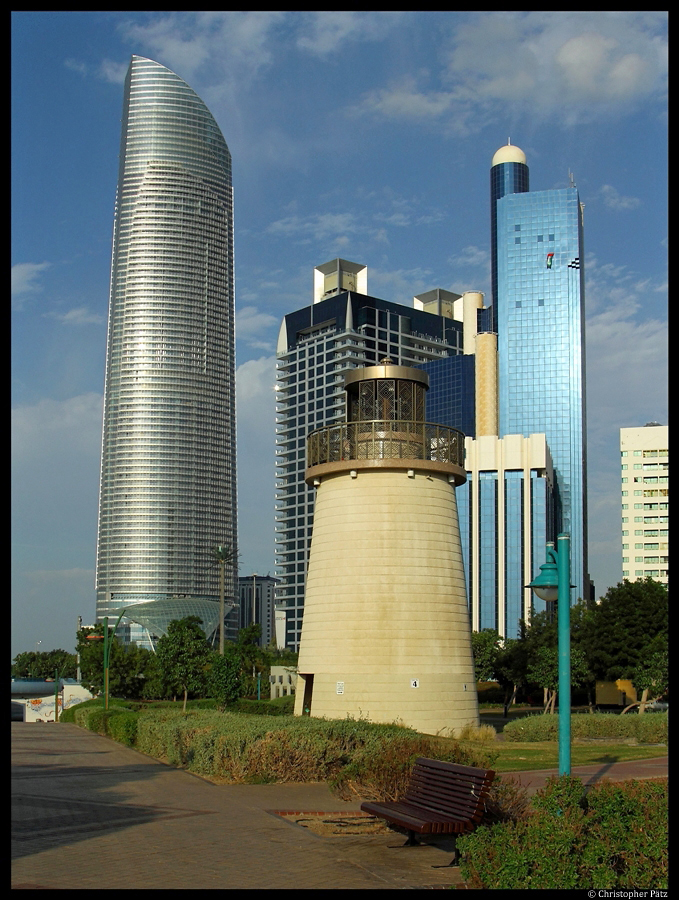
[{"x": 168, "y": 469}]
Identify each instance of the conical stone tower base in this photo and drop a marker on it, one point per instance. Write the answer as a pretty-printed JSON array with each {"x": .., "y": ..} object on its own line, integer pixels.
[{"x": 386, "y": 634}]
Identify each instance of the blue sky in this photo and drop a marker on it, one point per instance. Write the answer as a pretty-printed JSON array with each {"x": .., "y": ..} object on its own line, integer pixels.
[{"x": 357, "y": 134}]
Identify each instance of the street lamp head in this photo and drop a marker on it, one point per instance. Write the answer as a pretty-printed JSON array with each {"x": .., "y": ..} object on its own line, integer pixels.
[{"x": 546, "y": 584}]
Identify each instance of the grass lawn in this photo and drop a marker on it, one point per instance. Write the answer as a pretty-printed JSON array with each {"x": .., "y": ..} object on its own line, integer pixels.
[{"x": 520, "y": 757}]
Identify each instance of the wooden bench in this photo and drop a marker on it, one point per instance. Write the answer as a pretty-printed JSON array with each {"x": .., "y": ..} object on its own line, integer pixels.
[{"x": 441, "y": 798}]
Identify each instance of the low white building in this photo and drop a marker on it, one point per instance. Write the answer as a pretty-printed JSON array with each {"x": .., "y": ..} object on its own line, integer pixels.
[
  {"x": 33, "y": 700},
  {"x": 283, "y": 681}
]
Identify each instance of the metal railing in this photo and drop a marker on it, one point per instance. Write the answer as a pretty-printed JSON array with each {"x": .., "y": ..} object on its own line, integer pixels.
[{"x": 385, "y": 440}]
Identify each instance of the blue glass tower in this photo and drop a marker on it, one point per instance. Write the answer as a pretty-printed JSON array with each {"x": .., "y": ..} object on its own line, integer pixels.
[
  {"x": 541, "y": 346},
  {"x": 508, "y": 175}
]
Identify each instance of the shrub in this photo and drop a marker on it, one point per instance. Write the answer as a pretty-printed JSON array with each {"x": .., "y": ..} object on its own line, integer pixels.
[
  {"x": 123, "y": 727},
  {"x": 282, "y": 706},
  {"x": 68, "y": 715},
  {"x": 648, "y": 728},
  {"x": 614, "y": 836},
  {"x": 508, "y": 801},
  {"x": 482, "y": 733},
  {"x": 355, "y": 757},
  {"x": 381, "y": 769}
]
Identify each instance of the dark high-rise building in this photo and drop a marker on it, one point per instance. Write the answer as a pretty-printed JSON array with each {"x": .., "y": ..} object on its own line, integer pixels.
[
  {"x": 256, "y": 596},
  {"x": 168, "y": 469},
  {"x": 343, "y": 329}
]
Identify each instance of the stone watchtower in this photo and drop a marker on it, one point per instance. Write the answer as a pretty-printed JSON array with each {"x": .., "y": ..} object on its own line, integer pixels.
[{"x": 386, "y": 633}]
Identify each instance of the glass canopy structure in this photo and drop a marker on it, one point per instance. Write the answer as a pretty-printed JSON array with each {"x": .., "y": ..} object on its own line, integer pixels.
[{"x": 156, "y": 615}]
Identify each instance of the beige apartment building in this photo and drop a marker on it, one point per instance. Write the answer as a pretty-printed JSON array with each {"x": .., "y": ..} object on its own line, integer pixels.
[{"x": 644, "y": 472}]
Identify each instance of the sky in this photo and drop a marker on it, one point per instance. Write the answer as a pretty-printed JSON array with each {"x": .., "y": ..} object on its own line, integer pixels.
[{"x": 365, "y": 135}]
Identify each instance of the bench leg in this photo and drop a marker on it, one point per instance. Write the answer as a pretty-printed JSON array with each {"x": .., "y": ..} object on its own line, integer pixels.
[
  {"x": 412, "y": 840},
  {"x": 455, "y": 861}
]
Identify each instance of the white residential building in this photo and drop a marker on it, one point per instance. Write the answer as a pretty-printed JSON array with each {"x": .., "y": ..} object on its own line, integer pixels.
[{"x": 644, "y": 463}]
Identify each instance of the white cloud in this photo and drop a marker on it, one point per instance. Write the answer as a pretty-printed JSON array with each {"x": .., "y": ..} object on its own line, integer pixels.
[
  {"x": 613, "y": 200},
  {"x": 76, "y": 66},
  {"x": 113, "y": 72},
  {"x": 399, "y": 285},
  {"x": 236, "y": 44},
  {"x": 251, "y": 324},
  {"x": 471, "y": 271},
  {"x": 323, "y": 32},
  {"x": 404, "y": 100},
  {"x": 471, "y": 256},
  {"x": 81, "y": 315},
  {"x": 255, "y": 386},
  {"x": 321, "y": 225},
  {"x": 568, "y": 67},
  {"x": 25, "y": 277},
  {"x": 627, "y": 371}
]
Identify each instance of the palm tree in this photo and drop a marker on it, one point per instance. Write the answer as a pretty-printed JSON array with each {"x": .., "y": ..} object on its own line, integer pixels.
[{"x": 224, "y": 556}]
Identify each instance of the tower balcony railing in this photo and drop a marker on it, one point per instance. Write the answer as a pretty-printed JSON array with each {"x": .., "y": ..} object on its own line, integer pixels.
[{"x": 385, "y": 440}]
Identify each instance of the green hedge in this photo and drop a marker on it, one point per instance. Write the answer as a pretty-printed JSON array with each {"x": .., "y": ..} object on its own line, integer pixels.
[
  {"x": 614, "y": 836},
  {"x": 281, "y": 706},
  {"x": 649, "y": 728},
  {"x": 354, "y": 757},
  {"x": 123, "y": 727},
  {"x": 97, "y": 719}
]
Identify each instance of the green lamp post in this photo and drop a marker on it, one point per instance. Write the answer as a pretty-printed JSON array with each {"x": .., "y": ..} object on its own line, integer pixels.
[
  {"x": 554, "y": 583},
  {"x": 107, "y": 650}
]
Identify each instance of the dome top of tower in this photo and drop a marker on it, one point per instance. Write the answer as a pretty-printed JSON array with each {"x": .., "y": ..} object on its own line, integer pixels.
[{"x": 509, "y": 153}]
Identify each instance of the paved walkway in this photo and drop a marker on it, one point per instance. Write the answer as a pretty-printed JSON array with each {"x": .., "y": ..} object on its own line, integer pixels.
[{"x": 90, "y": 813}]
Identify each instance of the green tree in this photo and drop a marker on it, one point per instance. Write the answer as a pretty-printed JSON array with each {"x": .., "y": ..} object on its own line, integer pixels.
[
  {"x": 543, "y": 670},
  {"x": 128, "y": 665},
  {"x": 624, "y": 623},
  {"x": 252, "y": 657},
  {"x": 486, "y": 647},
  {"x": 92, "y": 657},
  {"x": 184, "y": 657},
  {"x": 44, "y": 665},
  {"x": 582, "y": 629},
  {"x": 651, "y": 675},
  {"x": 225, "y": 682},
  {"x": 627, "y": 621},
  {"x": 511, "y": 666},
  {"x": 154, "y": 687}
]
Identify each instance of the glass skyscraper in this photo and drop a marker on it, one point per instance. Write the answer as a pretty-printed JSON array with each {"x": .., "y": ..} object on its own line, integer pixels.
[
  {"x": 343, "y": 329},
  {"x": 541, "y": 345},
  {"x": 168, "y": 468},
  {"x": 508, "y": 175}
]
